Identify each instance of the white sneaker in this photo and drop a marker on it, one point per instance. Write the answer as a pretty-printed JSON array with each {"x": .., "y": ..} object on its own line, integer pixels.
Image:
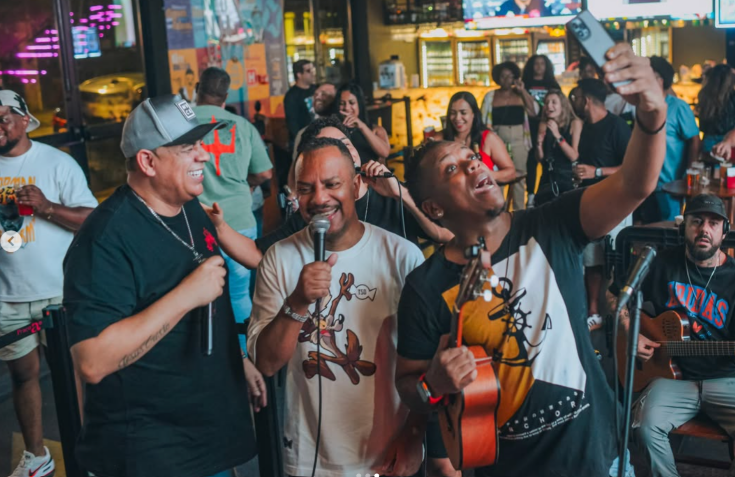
[
  {"x": 594, "y": 322},
  {"x": 32, "y": 466}
]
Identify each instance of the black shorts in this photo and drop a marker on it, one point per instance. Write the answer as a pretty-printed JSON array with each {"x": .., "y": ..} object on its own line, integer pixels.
[{"x": 434, "y": 443}]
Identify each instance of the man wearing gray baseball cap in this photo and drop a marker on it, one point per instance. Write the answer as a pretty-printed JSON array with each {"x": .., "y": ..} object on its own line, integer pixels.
[{"x": 141, "y": 278}]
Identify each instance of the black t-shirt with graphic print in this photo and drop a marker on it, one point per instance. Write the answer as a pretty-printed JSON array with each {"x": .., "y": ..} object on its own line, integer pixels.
[
  {"x": 556, "y": 411},
  {"x": 174, "y": 411},
  {"x": 709, "y": 308}
]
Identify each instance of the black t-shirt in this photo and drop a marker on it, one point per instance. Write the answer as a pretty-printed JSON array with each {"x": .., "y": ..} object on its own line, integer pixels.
[
  {"x": 372, "y": 208},
  {"x": 298, "y": 104},
  {"x": 362, "y": 146},
  {"x": 709, "y": 309},
  {"x": 557, "y": 169},
  {"x": 174, "y": 411},
  {"x": 556, "y": 410},
  {"x": 603, "y": 144}
]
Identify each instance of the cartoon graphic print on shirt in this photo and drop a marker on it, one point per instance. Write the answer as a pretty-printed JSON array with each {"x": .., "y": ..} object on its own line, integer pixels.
[
  {"x": 329, "y": 327},
  {"x": 10, "y": 219},
  {"x": 705, "y": 307},
  {"x": 527, "y": 334}
]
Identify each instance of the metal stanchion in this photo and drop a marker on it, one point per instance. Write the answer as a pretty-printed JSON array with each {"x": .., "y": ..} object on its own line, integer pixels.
[
  {"x": 268, "y": 429},
  {"x": 62, "y": 379},
  {"x": 59, "y": 362}
]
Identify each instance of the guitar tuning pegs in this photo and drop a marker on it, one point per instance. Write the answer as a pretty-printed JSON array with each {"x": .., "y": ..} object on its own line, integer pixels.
[
  {"x": 494, "y": 281},
  {"x": 487, "y": 295}
]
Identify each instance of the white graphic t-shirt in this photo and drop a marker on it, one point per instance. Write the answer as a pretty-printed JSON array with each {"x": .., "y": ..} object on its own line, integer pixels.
[
  {"x": 555, "y": 416},
  {"x": 34, "y": 272},
  {"x": 361, "y": 410}
]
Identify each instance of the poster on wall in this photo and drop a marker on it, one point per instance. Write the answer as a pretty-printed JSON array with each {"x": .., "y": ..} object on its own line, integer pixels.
[
  {"x": 179, "y": 27},
  {"x": 275, "y": 46},
  {"x": 256, "y": 72},
  {"x": 184, "y": 73},
  {"x": 244, "y": 37}
]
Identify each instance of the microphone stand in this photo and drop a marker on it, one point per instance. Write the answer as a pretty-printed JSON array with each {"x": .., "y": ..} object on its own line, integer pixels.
[{"x": 633, "y": 330}]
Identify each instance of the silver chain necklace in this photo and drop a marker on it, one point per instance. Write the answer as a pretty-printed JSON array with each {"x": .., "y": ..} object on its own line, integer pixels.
[
  {"x": 686, "y": 265},
  {"x": 198, "y": 257}
]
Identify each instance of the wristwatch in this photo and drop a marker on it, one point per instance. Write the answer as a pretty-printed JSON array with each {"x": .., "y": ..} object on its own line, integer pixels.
[
  {"x": 423, "y": 389},
  {"x": 292, "y": 314},
  {"x": 598, "y": 172},
  {"x": 560, "y": 139}
]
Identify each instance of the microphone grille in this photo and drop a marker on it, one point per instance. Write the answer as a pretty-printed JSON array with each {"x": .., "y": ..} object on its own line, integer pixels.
[{"x": 320, "y": 223}]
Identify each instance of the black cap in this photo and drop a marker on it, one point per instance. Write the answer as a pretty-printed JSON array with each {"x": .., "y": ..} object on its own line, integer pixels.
[{"x": 706, "y": 204}]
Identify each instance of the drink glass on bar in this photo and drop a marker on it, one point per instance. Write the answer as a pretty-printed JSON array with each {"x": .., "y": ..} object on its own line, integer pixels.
[{"x": 692, "y": 179}]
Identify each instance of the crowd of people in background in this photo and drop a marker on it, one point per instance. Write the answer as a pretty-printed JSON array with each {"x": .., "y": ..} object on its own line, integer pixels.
[{"x": 136, "y": 300}]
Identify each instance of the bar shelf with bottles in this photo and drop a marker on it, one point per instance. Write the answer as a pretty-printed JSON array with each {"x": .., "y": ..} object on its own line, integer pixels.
[
  {"x": 437, "y": 63},
  {"x": 474, "y": 68}
]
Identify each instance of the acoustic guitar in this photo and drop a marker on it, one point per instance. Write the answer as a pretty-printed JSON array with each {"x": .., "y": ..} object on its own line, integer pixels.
[
  {"x": 672, "y": 330},
  {"x": 468, "y": 419}
]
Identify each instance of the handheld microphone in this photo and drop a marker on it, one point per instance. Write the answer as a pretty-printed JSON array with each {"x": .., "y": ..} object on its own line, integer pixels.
[
  {"x": 384, "y": 175},
  {"x": 636, "y": 277},
  {"x": 207, "y": 326},
  {"x": 319, "y": 225}
]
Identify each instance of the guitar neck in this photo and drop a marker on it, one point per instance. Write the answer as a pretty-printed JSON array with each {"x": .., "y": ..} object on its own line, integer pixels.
[
  {"x": 698, "y": 348},
  {"x": 454, "y": 327}
]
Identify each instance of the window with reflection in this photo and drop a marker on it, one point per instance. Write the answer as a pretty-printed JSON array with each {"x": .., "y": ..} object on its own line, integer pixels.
[
  {"x": 108, "y": 59},
  {"x": 29, "y": 60}
]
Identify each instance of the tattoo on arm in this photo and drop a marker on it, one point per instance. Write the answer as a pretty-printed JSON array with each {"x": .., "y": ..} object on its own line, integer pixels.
[{"x": 147, "y": 345}]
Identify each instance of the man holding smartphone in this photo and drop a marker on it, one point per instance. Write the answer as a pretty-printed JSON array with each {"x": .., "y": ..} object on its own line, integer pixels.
[
  {"x": 44, "y": 199},
  {"x": 556, "y": 411}
]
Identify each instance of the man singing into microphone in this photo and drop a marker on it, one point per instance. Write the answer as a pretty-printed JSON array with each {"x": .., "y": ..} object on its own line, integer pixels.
[
  {"x": 555, "y": 416},
  {"x": 138, "y": 274},
  {"x": 697, "y": 279},
  {"x": 364, "y": 429}
]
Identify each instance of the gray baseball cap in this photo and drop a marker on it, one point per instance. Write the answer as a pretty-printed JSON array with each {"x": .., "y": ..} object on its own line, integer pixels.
[{"x": 163, "y": 121}]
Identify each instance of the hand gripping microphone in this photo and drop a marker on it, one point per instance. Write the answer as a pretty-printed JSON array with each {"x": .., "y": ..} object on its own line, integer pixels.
[
  {"x": 636, "y": 277},
  {"x": 384, "y": 175},
  {"x": 319, "y": 225}
]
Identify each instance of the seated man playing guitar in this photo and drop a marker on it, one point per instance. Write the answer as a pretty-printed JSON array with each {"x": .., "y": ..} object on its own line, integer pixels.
[
  {"x": 696, "y": 280},
  {"x": 555, "y": 412}
]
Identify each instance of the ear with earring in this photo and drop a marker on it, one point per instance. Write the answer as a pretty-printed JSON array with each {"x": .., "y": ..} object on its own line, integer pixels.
[{"x": 440, "y": 214}]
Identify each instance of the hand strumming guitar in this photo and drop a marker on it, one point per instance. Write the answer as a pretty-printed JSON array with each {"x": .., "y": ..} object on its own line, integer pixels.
[
  {"x": 451, "y": 370},
  {"x": 646, "y": 348}
]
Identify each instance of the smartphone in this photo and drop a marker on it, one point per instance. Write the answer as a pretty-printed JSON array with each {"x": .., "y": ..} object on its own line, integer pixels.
[{"x": 594, "y": 39}]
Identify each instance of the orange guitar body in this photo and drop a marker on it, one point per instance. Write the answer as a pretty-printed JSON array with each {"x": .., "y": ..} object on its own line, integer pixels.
[
  {"x": 469, "y": 420},
  {"x": 670, "y": 326}
]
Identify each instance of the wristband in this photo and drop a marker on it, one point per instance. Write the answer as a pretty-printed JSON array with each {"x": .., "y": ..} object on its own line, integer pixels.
[
  {"x": 561, "y": 139},
  {"x": 645, "y": 130},
  {"x": 431, "y": 399}
]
